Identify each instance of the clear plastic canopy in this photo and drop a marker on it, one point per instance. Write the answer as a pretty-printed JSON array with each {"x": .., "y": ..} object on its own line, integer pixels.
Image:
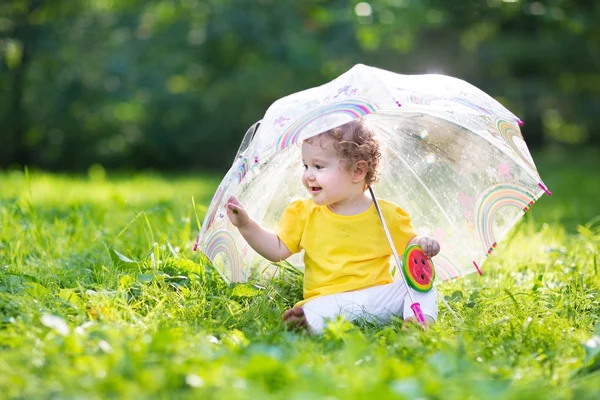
[{"x": 452, "y": 157}]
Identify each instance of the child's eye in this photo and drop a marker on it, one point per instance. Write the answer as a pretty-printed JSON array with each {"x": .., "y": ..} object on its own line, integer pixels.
[
  {"x": 318, "y": 166},
  {"x": 305, "y": 166}
]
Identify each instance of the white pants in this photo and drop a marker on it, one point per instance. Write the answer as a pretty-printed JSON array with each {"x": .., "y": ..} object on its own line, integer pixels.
[{"x": 376, "y": 304}]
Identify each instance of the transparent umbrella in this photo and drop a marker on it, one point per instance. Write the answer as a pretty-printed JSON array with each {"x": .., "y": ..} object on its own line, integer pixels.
[{"x": 452, "y": 157}]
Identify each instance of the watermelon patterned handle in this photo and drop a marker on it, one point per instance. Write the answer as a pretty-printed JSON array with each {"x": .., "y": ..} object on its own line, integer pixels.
[{"x": 418, "y": 269}]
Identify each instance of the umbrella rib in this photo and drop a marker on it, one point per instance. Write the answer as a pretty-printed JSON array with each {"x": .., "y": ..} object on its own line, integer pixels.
[{"x": 431, "y": 196}]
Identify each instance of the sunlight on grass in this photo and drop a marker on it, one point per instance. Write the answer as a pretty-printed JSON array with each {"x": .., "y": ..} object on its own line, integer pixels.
[
  {"x": 101, "y": 296},
  {"x": 98, "y": 190}
]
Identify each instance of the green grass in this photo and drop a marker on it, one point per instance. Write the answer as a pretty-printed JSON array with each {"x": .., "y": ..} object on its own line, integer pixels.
[{"x": 101, "y": 296}]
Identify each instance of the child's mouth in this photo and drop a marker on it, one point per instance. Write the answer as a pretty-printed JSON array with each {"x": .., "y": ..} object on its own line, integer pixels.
[{"x": 315, "y": 189}]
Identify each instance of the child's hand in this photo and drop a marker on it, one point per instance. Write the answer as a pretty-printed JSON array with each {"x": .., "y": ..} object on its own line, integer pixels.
[
  {"x": 237, "y": 213},
  {"x": 430, "y": 246}
]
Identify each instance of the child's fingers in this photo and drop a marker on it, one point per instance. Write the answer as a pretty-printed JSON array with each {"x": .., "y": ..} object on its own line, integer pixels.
[
  {"x": 234, "y": 205},
  {"x": 430, "y": 246},
  {"x": 234, "y": 200},
  {"x": 424, "y": 243},
  {"x": 234, "y": 209}
]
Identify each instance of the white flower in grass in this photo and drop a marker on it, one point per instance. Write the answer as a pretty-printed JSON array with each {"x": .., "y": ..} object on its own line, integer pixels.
[
  {"x": 105, "y": 346},
  {"x": 491, "y": 171},
  {"x": 56, "y": 323},
  {"x": 212, "y": 339},
  {"x": 80, "y": 330},
  {"x": 194, "y": 380},
  {"x": 593, "y": 343}
]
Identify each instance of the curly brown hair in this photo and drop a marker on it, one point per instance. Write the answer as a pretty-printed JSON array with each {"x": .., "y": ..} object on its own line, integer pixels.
[{"x": 355, "y": 141}]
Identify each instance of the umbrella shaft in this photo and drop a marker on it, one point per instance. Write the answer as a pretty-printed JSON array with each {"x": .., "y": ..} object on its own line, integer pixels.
[{"x": 391, "y": 242}]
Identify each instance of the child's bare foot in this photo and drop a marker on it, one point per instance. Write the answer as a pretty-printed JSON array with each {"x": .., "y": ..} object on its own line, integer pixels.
[{"x": 295, "y": 318}]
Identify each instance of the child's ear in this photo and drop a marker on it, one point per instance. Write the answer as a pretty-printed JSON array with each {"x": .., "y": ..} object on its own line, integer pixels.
[{"x": 360, "y": 171}]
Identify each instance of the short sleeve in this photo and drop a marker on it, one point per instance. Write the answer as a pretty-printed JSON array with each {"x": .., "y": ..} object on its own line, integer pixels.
[
  {"x": 291, "y": 225},
  {"x": 403, "y": 230}
]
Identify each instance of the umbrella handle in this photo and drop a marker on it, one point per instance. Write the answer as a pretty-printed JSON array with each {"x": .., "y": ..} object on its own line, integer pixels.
[{"x": 416, "y": 307}]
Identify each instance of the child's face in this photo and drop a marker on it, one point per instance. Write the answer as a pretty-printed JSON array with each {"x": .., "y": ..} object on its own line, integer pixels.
[{"x": 325, "y": 178}]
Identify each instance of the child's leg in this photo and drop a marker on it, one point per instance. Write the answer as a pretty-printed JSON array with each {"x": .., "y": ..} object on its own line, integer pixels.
[
  {"x": 376, "y": 304},
  {"x": 428, "y": 302},
  {"x": 349, "y": 305},
  {"x": 392, "y": 299}
]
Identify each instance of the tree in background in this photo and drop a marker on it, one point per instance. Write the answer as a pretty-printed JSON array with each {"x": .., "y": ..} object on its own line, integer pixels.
[{"x": 175, "y": 83}]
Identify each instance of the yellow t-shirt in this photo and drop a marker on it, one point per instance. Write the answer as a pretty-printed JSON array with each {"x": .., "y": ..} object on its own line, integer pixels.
[{"x": 343, "y": 252}]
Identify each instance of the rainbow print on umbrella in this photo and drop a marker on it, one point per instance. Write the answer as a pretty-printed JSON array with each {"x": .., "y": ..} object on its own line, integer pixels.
[
  {"x": 492, "y": 200},
  {"x": 355, "y": 108},
  {"x": 428, "y": 100},
  {"x": 242, "y": 169},
  {"x": 421, "y": 100},
  {"x": 445, "y": 269},
  {"x": 509, "y": 134},
  {"x": 222, "y": 242},
  {"x": 470, "y": 105}
]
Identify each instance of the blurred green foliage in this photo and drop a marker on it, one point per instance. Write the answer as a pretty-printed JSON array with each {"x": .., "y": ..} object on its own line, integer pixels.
[{"x": 174, "y": 84}]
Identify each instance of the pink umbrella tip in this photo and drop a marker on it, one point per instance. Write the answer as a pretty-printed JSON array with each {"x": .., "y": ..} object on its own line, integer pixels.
[
  {"x": 477, "y": 268},
  {"x": 519, "y": 122},
  {"x": 197, "y": 242},
  {"x": 416, "y": 307},
  {"x": 545, "y": 189}
]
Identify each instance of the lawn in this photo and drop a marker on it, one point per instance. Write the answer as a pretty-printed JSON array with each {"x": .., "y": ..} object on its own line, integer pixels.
[{"x": 101, "y": 296}]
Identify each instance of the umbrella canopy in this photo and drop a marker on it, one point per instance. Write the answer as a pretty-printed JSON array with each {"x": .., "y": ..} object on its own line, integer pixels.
[{"x": 452, "y": 157}]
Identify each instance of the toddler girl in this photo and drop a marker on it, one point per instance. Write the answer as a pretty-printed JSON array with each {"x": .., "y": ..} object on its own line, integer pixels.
[{"x": 346, "y": 253}]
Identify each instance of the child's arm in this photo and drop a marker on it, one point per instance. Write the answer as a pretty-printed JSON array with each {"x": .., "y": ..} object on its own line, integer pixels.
[
  {"x": 263, "y": 241},
  {"x": 430, "y": 246}
]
